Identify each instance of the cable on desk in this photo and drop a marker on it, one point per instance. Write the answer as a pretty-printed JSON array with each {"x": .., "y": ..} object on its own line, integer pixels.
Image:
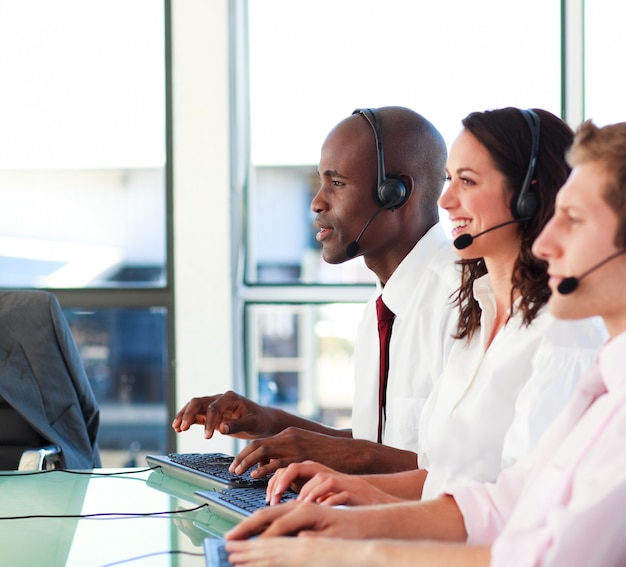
[
  {"x": 85, "y": 473},
  {"x": 148, "y": 555},
  {"x": 106, "y": 515}
]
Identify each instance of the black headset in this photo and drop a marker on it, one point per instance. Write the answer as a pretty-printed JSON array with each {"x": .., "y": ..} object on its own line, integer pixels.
[
  {"x": 527, "y": 203},
  {"x": 391, "y": 190}
]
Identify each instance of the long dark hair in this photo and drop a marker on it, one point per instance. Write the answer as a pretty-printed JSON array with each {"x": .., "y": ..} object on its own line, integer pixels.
[{"x": 507, "y": 137}]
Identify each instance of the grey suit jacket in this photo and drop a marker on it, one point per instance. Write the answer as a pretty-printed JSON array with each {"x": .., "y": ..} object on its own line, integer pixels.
[{"x": 43, "y": 378}]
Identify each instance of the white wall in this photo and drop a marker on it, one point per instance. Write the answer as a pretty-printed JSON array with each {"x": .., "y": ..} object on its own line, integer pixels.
[{"x": 201, "y": 207}]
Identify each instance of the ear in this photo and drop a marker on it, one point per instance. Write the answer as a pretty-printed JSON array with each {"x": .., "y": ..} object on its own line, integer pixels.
[{"x": 409, "y": 184}]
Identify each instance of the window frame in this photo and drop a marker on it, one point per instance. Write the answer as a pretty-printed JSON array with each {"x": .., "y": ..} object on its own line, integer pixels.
[{"x": 146, "y": 296}]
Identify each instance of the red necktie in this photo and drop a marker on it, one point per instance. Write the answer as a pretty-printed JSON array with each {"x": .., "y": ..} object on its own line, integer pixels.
[{"x": 385, "y": 321}]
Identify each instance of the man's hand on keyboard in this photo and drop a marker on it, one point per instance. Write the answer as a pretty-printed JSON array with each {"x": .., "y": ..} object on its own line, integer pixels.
[
  {"x": 230, "y": 414},
  {"x": 294, "y": 445},
  {"x": 340, "y": 453}
]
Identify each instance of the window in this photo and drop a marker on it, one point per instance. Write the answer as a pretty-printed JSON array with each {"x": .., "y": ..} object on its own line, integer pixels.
[
  {"x": 124, "y": 351},
  {"x": 302, "y": 358},
  {"x": 310, "y": 64},
  {"x": 605, "y": 56},
  {"x": 83, "y": 181},
  {"x": 82, "y": 147}
]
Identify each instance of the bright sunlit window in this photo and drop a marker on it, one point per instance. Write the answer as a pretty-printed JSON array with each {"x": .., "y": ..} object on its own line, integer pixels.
[
  {"x": 82, "y": 143},
  {"x": 311, "y": 63},
  {"x": 605, "y": 57},
  {"x": 82, "y": 182}
]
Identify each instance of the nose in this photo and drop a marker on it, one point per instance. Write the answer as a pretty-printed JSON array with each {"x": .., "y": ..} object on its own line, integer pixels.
[
  {"x": 545, "y": 245},
  {"x": 447, "y": 198},
  {"x": 319, "y": 202}
]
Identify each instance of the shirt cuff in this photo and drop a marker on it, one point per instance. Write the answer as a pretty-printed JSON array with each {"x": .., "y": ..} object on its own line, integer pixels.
[{"x": 482, "y": 521}]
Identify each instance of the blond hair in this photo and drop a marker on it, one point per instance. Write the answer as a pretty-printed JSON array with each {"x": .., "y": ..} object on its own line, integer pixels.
[{"x": 605, "y": 146}]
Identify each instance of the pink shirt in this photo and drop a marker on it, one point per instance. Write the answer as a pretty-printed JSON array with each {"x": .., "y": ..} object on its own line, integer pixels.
[{"x": 565, "y": 502}]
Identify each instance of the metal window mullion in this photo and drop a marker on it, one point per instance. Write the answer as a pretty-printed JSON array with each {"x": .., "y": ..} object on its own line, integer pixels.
[
  {"x": 302, "y": 294},
  {"x": 573, "y": 61}
]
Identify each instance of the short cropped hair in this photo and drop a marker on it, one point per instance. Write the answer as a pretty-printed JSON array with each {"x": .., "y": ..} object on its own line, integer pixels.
[{"x": 605, "y": 146}]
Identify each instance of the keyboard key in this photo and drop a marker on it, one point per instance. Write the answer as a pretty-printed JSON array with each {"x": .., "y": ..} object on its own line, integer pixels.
[{"x": 239, "y": 503}]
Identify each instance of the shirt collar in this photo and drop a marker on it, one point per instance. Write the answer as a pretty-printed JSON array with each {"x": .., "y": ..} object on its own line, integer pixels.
[
  {"x": 612, "y": 360},
  {"x": 403, "y": 280},
  {"x": 483, "y": 293}
]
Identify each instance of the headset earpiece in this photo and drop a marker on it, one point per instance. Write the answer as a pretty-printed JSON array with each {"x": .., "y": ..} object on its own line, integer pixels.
[
  {"x": 392, "y": 193},
  {"x": 391, "y": 190},
  {"x": 527, "y": 202}
]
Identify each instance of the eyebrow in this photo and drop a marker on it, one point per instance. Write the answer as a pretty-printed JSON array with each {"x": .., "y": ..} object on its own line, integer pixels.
[
  {"x": 568, "y": 208},
  {"x": 332, "y": 173},
  {"x": 465, "y": 169}
]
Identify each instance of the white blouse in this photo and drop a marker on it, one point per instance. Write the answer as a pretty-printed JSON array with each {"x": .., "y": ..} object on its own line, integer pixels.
[{"x": 491, "y": 405}]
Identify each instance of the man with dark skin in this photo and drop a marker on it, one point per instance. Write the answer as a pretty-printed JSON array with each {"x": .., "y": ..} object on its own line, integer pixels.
[{"x": 405, "y": 247}]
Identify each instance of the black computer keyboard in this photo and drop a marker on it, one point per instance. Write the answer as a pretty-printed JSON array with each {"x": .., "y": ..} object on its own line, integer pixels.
[
  {"x": 239, "y": 503},
  {"x": 216, "y": 465}
]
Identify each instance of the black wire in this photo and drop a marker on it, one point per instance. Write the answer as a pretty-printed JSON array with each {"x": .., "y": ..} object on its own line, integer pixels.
[
  {"x": 113, "y": 515},
  {"x": 108, "y": 515},
  {"x": 140, "y": 557},
  {"x": 86, "y": 473}
]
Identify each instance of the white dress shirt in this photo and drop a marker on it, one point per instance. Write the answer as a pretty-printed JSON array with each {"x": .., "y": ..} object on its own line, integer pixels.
[
  {"x": 418, "y": 292},
  {"x": 491, "y": 405}
]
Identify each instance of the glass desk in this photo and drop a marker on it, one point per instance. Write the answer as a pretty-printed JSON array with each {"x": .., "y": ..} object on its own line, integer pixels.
[{"x": 67, "y": 540}]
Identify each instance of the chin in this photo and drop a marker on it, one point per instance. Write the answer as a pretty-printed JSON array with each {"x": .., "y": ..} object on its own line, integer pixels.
[
  {"x": 565, "y": 308},
  {"x": 334, "y": 257},
  {"x": 467, "y": 254}
]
